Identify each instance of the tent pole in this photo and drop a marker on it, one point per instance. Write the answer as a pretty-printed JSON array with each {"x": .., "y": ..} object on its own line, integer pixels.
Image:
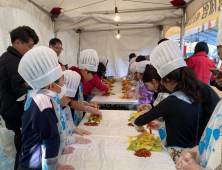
[
  {"x": 54, "y": 27},
  {"x": 182, "y": 28},
  {"x": 161, "y": 31},
  {"x": 40, "y": 7},
  {"x": 78, "y": 54}
]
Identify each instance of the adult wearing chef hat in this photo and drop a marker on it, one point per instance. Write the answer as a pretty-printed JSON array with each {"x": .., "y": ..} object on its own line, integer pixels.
[
  {"x": 42, "y": 122},
  {"x": 181, "y": 110}
]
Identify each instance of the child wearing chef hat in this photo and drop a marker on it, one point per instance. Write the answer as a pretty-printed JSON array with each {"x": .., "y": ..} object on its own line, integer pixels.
[{"x": 42, "y": 122}]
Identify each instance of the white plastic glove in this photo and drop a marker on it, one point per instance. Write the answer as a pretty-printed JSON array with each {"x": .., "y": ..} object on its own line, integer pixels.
[
  {"x": 92, "y": 110},
  {"x": 82, "y": 131},
  {"x": 82, "y": 140},
  {"x": 156, "y": 125},
  {"x": 139, "y": 128},
  {"x": 144, "y": 111},
  {"x": 133, "y": 95},
  {"x": 144, "y": 107},
  {"x": 193, "y": 151},
  {"x": 89, "y": 104},
  {"x": 188, "y": 163},
  {"x": 68, "y": 150},
  {"x": 65, "y": 167}
]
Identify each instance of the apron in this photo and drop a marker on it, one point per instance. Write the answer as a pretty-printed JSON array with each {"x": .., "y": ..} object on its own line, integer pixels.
[
  {"x": 60, "y": 115},
  {"x": 174, "y": 151},
  {"x": 209, "y": 150},
  {"x": 138, "y": 86},
  {"x": 69, "y": 121},
  {"x": 78, "y": 115},
  {"x": 162, "y": 129},
  {"x": 180, "y": 95}
]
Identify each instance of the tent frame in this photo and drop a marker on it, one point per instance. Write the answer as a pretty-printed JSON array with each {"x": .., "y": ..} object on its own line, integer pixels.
[{"x": 182, "y": 25}]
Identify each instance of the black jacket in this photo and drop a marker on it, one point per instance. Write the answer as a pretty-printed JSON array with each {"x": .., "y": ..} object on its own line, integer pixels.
[
  {"x": 12, "y": 86},
  {"x": 209, "y": 102}
]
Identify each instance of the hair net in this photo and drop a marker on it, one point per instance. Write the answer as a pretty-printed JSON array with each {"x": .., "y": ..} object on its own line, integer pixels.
[
  {"x": 89, "y": 60},
  {"x": 39, "y": 67},
  {"x": 141, "y": 66},
  {"x": 73, "y": 82},
  {"x": 167, "y": 57}
]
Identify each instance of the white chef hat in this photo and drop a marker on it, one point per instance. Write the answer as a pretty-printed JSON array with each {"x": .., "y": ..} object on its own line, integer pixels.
[
  {"x": 39, "y": 67},
  {"x": 132, "y": 60},
  {"x": 103, "y": 59},
  {"x": 89, "y": 60},
  {"x": 133, "y": 67},
  {"x": 72, "y": 83},
  {"x": 141, "y": 66},
  {"x": 219, "y": 35},
  {"x": 167, "y": 57}
]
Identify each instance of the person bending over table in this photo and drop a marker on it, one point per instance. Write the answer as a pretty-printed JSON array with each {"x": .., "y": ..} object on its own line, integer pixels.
[
  {"x": 209, "y": 97},
  {"x": 182, "y": 109},
  {"x": 72, "y": 83},
  {"x": 95, "y": 86},
  {"x": 141, "y": 91},
  {"x": 88, "y": 65}
]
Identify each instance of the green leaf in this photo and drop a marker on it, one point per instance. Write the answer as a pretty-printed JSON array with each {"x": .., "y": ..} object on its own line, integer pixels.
[{"x": 132, "y": 146}]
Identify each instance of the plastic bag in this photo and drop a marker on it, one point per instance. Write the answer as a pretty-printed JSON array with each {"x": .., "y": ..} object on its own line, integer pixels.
[{"x": 7, "y": 148}]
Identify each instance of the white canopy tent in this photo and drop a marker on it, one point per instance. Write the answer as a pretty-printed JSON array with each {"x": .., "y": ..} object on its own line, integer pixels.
[{"x": 89, "y": 24}]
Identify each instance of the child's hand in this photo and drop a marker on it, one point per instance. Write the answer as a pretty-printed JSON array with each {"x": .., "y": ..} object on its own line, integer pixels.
[
  {"x": 68, "y": 150},
  {"x": 64, "y": 101},
  {"x": 82, "y": 140},
  {"x": 65, "y": 167},
  {"x": 82, "y": 131}
]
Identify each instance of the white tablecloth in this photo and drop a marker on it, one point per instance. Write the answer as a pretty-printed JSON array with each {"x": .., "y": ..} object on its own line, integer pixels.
[
  {"x": 113, "y": 99},
  {"x": 108, "y": 150}
]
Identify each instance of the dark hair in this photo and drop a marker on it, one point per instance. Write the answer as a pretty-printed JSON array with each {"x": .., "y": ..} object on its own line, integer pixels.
[
  {"x": 24, "y": 33},
  {"x": 101, "y": 69},
  {"x": 140, "y": 58},
  {"x": 132, "y": 55},
  {"x": 150, "y": 73},
  {"x": 92, "y": 72},
  {"x": 201, "y": 46},
  {"x": 162, "y": 40},
  {"x": 187, "y": 82},
  {"x": 53, "y": 41}
]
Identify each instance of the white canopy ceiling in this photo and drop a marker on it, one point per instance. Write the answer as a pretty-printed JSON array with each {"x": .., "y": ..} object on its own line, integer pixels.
[{"x": 97, "y": 15}]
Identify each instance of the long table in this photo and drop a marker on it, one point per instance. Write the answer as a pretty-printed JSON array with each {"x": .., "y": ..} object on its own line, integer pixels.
[
  {"x": 113, "y": 99},
  {"x": 108, "y": 150}
]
